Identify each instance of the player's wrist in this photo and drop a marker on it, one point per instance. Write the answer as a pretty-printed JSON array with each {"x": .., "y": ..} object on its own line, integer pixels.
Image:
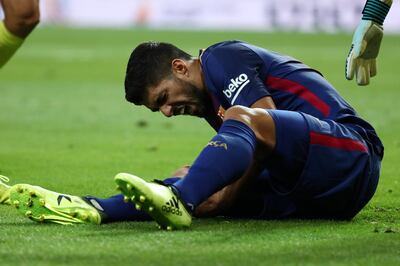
[{"x": 376, "y": 10}]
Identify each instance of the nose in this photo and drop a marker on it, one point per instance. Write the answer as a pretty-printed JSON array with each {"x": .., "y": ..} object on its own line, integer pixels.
[{"x": 166, "y": 110}]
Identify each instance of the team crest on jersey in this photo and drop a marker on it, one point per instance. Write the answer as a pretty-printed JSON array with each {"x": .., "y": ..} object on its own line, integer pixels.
[
  {"x": 218, "y": 144},
  {"x": 235, "y": 86}
]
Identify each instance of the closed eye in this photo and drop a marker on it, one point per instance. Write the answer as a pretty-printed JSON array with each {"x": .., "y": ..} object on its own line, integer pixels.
[{"x": 162, "y": 98}]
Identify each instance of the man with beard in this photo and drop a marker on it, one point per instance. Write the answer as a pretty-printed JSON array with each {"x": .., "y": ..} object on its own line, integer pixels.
[
  {"x": 288, "y": 145},
  {"x": 286, "y": 135}
]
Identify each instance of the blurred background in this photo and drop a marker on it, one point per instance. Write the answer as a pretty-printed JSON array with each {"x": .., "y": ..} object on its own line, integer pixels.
[{"x": 264, "y": 15}]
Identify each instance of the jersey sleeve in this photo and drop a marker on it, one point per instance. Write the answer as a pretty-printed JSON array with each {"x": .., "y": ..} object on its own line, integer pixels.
[{"x": 235, "y": 78}]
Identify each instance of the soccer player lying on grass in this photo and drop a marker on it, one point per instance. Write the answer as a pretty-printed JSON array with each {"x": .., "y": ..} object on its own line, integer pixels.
[
  {"x": 20, "y": 18},
  {"x": 288, "y": 145}
]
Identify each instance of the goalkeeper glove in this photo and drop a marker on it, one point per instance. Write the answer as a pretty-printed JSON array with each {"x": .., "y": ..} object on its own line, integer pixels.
[
  {"x": 367, "y": 38},
  {"x": 363, "y": 52}
]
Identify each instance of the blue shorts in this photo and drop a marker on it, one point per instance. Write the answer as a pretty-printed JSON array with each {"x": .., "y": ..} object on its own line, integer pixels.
[{"x": 318, "y": 169}]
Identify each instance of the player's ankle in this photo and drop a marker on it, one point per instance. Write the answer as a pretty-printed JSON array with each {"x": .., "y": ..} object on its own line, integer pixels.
[{"x": 189, "y": 207}]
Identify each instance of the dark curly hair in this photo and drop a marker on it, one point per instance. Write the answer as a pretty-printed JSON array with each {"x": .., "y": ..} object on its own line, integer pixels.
[{"x": 149, "y": 63}]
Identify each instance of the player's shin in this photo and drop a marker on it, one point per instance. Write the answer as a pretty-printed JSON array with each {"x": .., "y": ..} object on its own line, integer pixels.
[
  {"x": 225, "y": 159},
  {"x": 115, "y": 209}
]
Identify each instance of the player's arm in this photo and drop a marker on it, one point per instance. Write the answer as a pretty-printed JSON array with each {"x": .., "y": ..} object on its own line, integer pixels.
[
  {"x": 214, "y": 119},
  {"x": 265, "y": 102},
  {"x": 361, "y": 60},
  {"x": 233, "y": 72}
]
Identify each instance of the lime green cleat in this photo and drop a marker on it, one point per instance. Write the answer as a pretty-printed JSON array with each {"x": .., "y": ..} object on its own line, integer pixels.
[
  {"x": 4, "y": 190},
  {"x": 156, "y": 200},
  {"x": 42, "y": 205}
]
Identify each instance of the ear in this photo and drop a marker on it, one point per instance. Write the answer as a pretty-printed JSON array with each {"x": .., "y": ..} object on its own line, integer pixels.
[{"x": 179, "y": 67}]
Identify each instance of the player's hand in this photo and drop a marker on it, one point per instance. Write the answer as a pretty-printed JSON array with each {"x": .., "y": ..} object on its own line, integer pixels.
[{"x": 361, "y": 60}]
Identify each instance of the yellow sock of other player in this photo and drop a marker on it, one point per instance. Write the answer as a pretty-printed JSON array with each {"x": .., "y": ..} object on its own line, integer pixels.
[{"x": 9, "y": 43}]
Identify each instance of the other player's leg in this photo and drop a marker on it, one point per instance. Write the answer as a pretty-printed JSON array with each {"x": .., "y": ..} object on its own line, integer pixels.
[{"x": 20, "y": 18}]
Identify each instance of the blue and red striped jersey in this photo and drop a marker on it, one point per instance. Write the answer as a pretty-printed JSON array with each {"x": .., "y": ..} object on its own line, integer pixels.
[{"x": 238, "y": 73}]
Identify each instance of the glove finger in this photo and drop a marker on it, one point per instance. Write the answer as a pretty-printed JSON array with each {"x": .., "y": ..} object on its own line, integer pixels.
[
  {"x": 362, "y": 73},
  {"x": 350, "y": 65},
  {"x": 372, "y": 70}
]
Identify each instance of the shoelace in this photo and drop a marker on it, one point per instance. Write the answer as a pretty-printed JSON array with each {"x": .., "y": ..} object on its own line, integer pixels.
[{"x": 4, "y": 178}]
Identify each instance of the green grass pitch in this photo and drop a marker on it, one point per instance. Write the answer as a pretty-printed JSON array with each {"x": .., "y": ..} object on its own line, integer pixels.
[{"x": 64, "y": 125}]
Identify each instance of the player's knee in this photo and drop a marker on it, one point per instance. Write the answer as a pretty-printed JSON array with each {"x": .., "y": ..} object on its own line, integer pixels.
[
  {"x": 257, "y": 119},
  {"x": 249, "y": 116},
  {"x": 239, "y": 113}
]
